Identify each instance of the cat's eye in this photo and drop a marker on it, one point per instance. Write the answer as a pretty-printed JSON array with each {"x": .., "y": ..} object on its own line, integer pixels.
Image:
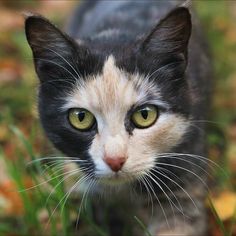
[
  {"x": 81, "y": 119},
  {"x": 145, "y": 116}
]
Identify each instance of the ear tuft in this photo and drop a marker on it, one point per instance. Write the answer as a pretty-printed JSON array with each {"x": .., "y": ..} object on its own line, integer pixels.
[{"x": 172, "y": 34}]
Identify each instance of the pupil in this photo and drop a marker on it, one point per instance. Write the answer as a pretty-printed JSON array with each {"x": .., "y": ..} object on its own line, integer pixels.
[
  {"x": 81, "y": 116},
  {"x": 144, "y": 114}
]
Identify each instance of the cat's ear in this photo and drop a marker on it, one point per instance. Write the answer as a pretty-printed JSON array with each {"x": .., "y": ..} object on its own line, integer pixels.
[
  {"x": 54, "y": 52},
  {"x": 171, "y": 35}
]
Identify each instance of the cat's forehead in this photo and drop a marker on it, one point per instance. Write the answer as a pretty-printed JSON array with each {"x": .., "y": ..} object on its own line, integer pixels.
[{"x": 112, "y": 89}]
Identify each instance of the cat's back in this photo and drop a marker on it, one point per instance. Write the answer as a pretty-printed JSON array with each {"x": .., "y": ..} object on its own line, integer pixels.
[{"x": 130, "y": 16}]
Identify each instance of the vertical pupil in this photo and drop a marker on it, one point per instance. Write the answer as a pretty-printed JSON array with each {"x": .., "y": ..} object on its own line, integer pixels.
[
  {"x": 81, "y": 116},
  {"x": 144, "y": 114}
]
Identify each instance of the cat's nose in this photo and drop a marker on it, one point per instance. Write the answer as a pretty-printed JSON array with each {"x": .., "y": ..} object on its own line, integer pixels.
[{"x": 115, "y": 163}]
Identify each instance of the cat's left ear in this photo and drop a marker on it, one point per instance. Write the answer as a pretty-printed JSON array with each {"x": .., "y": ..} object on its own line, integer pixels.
[
  {"x": 54, "y": 52},
  {"x": 171, "y": 35}
]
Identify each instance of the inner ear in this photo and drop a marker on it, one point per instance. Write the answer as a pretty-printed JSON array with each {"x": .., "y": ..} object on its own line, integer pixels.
[{"x": 171, "y": 35}]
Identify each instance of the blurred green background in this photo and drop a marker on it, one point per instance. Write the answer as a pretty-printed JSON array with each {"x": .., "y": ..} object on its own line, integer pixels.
[{"x": 22, "y": 139}]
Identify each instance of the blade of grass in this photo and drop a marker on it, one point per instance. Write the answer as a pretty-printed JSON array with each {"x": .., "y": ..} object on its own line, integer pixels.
[
  {"x": 218, "y": 220},
  {"x": 233, "y": 222},
  {"x": 26, "y": 144},
  {"x": 96, "y": 228},
  {"x": 141, "y": 224},
  {"x": 22, "y": 138},
  {"x": 15, "y": 172}
]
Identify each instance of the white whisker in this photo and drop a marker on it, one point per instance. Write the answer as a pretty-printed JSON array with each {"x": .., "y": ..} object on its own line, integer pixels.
[
  {"x": 189, "y": 171},
  {"x": 58, "y": 54},
  {"x": 188, "y": 161},
  {"x": 200, "y": 158},
  {"x": 159, "y": 202}
]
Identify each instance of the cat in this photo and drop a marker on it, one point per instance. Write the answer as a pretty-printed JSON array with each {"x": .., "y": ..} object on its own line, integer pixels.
[{"x": 121, "y": 93}]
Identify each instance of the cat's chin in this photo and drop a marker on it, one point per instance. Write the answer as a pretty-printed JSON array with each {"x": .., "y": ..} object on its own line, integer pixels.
[{"x": 115, "y": 180}]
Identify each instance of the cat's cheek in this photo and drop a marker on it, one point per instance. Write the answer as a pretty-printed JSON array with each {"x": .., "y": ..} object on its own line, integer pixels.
[
  {"x": 146, "y": 144},
  {"x": 167, "y": 133}
]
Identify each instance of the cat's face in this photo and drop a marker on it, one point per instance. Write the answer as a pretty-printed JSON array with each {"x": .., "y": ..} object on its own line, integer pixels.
[{"x": 116, "y": 109}]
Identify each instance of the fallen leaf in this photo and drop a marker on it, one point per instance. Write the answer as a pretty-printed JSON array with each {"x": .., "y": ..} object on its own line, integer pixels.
[
  {"x": 10, "y": 194},
  {"x": 8, "y": 191},
  {"x": 225, "y": 205},
  {"x": 10, "y": 70}
]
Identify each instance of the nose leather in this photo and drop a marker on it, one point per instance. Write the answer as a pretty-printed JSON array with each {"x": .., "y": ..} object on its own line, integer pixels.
[{"x": 115, "y": 163}]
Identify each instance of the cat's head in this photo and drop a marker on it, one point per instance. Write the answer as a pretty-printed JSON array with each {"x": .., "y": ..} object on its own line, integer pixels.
[{"x": 117, "y": 107}]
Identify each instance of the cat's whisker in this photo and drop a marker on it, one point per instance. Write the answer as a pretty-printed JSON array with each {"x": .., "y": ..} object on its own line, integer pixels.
[
  {"x": 169, "y": 199},
  {"x": 200, "y": 158},
  {"x": 58, "y": 54},
  {"x": 83, "y": 197},
  {"x": 68, "y": 174},
  {"x": 54, "y": 84},
  {"x": 53, "y": 165},
  {"x": 200, "y": 130},
  {"x": 208, "y": 122},
  {"x": 55, "y": 158},
  {"x": 164, "y": 169},
  {"x": 65, "y": 80},
  {"x": 133, "y": 193},
  {"x": 177, "y": 177},
  {"x": 173, "y": 181},
  {"x": 90, "y": 188},
  {"x": 47, "y": 158},
  {"x": 65, "y": 197},
  {"x": 180, "y": 209},
  {"x": 52, "y": 62},
  {"x": 189, "y": 171},
  {"x": 87, "y": 177},
  {"x": 188, "y": 161},
  {"x": 142, "y": 181},
  {"x": 44, "y": 182},
  {"x": 57, "y": 166},
  {"x": 161, "y": 68},
  {"x": 159, "y": 202}
]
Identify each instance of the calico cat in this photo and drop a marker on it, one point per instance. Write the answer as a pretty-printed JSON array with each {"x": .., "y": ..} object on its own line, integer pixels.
[{"x": 121, "y": 94}]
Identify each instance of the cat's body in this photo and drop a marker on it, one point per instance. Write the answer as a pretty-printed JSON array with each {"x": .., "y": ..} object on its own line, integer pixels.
[{"x": 127, "y": 60}]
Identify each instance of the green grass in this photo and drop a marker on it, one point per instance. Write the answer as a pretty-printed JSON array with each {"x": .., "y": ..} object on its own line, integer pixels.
[
  {"x": 62, "y": 216},
  {"x": 34, "y": 199}
]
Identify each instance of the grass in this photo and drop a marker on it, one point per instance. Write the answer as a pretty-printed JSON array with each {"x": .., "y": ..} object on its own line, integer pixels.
[
  {"x": 33, "y": 198},
  {"x": 45, "y": 195}
]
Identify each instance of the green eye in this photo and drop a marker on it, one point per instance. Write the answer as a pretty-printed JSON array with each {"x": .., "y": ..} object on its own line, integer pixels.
[
  {"x": 81, "y": 119},
  {"x": 145, "y": 116}
]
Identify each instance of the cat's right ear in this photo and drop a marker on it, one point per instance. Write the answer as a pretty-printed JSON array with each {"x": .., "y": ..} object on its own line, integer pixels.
[
  {"x": 171, "y": 35},
  {"x": 54, "y": 52}
]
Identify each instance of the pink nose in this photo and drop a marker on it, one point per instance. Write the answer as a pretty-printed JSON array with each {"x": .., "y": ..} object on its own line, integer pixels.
[{"x": 115, "y": 163}]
